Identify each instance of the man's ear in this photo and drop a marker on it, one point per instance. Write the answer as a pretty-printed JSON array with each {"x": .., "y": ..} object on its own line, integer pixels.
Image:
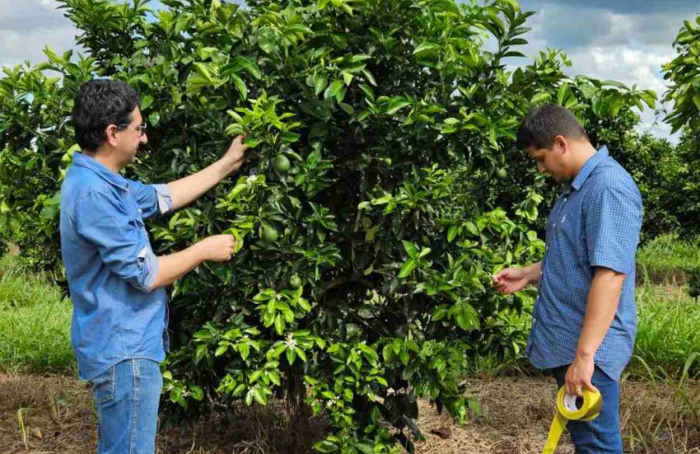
[
  {"x": 561, "y": 143},
  {"x": 111, "y": 133}
]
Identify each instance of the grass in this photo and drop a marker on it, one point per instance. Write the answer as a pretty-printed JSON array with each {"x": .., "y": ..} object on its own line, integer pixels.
[
  {"x": 665, "y": 259},
  {"x": 668, "y": 331},
  {"x": 35, "y": 323},
  {"x": 668, "y": 334}
]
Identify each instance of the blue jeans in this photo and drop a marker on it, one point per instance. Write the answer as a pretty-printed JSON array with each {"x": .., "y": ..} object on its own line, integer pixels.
[
  {"x": 602, "y": 435},
  {"x": 127, "y": 397}
]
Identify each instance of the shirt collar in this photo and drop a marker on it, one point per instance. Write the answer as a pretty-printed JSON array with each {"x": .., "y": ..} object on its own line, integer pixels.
[
  {"x": 103, "y": 172},
  {"x": 588, "y": 168}
]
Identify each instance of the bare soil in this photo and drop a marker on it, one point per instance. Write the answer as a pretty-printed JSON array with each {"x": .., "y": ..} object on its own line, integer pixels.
[{"x": 58, "y": 417}]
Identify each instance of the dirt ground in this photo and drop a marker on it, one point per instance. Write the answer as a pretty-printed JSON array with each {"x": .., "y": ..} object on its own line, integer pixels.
[{"x": 58, "y": 417}]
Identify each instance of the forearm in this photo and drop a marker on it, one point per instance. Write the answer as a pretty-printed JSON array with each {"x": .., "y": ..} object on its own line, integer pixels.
[
  {"x": 603, "y": 300},
  {"x": 186, "y": 190},
  {"x": 533, "y": 272},
  {"x": 172, "y": 267}
]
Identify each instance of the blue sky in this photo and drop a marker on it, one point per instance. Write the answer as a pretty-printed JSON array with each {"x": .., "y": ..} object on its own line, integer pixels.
[{"x": 626, "y": 40}]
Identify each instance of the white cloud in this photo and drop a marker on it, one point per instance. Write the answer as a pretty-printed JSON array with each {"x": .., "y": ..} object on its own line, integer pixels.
[
  {"x": 610, "y": 42},
  {"x": 18, "y": 47},
  {"x": 27, "y": 26}
]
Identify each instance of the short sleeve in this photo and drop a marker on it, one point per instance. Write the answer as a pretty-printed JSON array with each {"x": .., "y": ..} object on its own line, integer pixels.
[
  {"x": 118, "y": 237},
  {"x": 152, "y": 198},
  {"x": 613, "y": 224}
]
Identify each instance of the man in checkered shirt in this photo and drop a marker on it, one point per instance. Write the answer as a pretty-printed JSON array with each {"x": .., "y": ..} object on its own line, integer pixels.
[{"x": 584, "y": 319}]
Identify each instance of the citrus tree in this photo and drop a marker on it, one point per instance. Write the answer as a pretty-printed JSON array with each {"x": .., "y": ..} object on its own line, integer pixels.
[
  {"x": 382, "y": 190},
  {"x": 683, "y": 75}
]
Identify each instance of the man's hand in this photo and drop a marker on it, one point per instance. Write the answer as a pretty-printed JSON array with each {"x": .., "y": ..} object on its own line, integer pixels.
[
  {"x": 218, "y": 248},
  {"x": 235, "y": 156},
  {"x": 579, "y": 376},
  {"x": 511, "y": 280}
]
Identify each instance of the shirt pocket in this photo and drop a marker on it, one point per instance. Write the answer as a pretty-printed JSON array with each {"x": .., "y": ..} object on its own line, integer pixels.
[{"x": 103, "y": 386}]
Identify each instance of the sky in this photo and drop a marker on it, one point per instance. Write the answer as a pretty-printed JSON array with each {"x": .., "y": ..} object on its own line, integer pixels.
[{"x": 625, "y": 40}]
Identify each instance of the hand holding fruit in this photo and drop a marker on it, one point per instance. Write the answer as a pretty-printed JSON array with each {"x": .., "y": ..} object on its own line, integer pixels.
[
  {"x": 218, "y": 248},
  {"x": 236, "y": 153}
]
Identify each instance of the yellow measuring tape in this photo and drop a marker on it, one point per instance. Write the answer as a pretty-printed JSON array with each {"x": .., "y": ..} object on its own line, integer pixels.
[{"x": 572, "y": 408}]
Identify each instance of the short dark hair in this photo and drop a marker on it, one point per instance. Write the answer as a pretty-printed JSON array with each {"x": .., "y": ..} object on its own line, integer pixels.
[
  {"x": 544, "y": 123},
  {"x": 98, "y": 104}
]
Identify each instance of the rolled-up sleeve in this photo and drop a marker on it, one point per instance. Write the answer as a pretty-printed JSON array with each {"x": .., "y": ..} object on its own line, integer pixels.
[
  {"x": 123, "y": 246},
  {"x": 613, "y": 224},
  {"x": 152, "y": 198}
]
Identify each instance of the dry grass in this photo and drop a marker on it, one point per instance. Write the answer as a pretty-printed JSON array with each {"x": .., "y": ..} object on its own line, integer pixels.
[{"x": 516, "y": 412}]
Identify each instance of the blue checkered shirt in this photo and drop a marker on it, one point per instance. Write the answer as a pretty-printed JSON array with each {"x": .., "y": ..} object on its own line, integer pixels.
[{"x": 594, "y": 223}]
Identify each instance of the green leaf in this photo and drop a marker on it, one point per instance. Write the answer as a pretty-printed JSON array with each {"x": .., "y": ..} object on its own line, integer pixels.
[
  {"x": 320, "y": 82},
  {"x": 539, "y": 97},
  {"x": 467, "y": 317},
  {"x": 267, "y": 40},
  {"x": 279, "y": 324},
  {"x": 426, "y": 48},
  {"x": 452, "y": 233},
  {"x": 249, "y": 66},
  {"x": 613, "y": 83},
  {"x": 275, "y": 378},
  {"x": 202, "y": 70},
  {"x": 259, "y": 395},
  {"x": 562, "y": 94},
  {"x": 221, "y": 350},
  {"x": 649, "y": 97},
  {"x": 146, "y": 102},
  {"x": 325, "y": 446},
  {"x": 696, "y": 100},
  {"x": 197, "y": 393},
  {"x": 240, "y": 86},
  {"x": 368, "y": 91},
  {"x": 407, "y": 268},
  {"x": 387, "y": 352},
  {"x": 291, "y": 356},
  {"x": 365, "y": 448},
  {"x": 370, "y": 78},
  {"x": 289, "y": 137},
  {"x": 234, "y": 130},
  {"x": 336, "y": 88},
  {"x": 411, "y": 249},
  {"x": 397, "y": 104},
  {"x": 244, "y": 350}
]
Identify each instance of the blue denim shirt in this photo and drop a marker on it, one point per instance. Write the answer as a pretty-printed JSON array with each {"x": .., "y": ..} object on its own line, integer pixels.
[
  {"x": 111, "y": 267},
  {"x": 594, "y": 223}
]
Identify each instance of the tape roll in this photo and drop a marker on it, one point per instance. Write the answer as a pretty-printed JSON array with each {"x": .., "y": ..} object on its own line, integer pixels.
[{"x": 572, "y": 408}]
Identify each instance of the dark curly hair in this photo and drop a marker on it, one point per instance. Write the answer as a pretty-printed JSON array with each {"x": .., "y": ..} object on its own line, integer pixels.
[{"x": 101, "y": 103}]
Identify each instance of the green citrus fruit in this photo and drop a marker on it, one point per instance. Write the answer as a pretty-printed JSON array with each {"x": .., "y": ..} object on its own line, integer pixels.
[
  {"x": 295, "y": 281},
  {"x": 281, "y": 163},
  {"x": 269, "y": 234},
  {"x": 501, "y": 173}
]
